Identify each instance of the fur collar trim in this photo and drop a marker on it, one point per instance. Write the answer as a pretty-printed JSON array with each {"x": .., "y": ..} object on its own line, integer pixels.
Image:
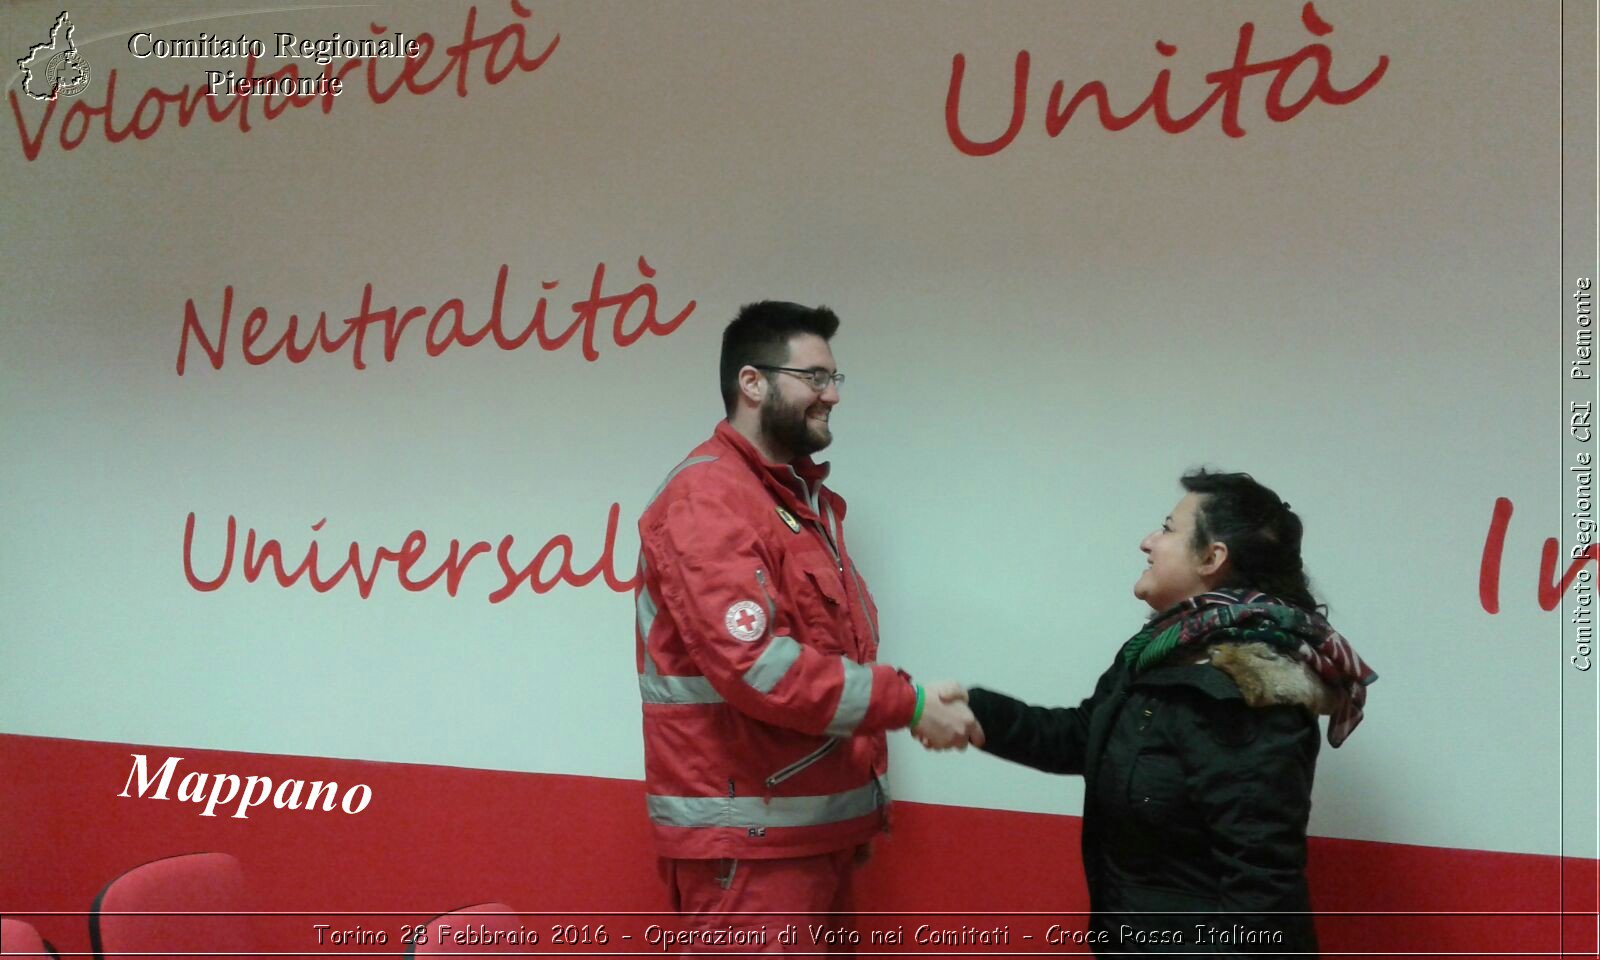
[{"x": 1267, "y": 677}]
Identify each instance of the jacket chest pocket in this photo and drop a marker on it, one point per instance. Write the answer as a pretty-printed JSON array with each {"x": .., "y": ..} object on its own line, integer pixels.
[
  {"x": 1155, "y": 787},
  {"x": 823, "y": 578},
  {"x": 823, "y": 606}
]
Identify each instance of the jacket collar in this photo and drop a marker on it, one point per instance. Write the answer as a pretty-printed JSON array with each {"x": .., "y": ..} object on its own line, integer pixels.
[
  {"x": 795, "y": 485},
  {"x": 1268, "y": 677},
  {"x": 1253, "y": 672}
]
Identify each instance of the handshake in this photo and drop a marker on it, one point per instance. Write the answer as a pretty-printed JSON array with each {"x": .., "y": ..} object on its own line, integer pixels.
[{"x": 947, "y": 722}]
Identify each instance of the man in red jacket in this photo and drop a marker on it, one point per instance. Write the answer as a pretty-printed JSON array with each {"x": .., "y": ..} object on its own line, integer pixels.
[{"x": 757, "y": 643}]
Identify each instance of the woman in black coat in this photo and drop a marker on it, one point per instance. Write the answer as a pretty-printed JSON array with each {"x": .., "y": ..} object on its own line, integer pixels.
[{"x": 1198, "y": 745}]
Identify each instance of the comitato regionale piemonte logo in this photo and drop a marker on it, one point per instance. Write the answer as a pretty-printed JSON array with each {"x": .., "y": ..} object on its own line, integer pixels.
[{"x": 55, "y": 68}]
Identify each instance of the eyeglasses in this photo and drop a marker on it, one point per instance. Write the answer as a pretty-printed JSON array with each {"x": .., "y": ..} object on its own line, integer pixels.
[{"x": 816, "y": 376}]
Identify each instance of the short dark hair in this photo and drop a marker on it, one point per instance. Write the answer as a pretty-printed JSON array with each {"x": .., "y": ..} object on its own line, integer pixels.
[
  {"x": 759, "y": 336},
  {"x": 1261, "y": 532}
]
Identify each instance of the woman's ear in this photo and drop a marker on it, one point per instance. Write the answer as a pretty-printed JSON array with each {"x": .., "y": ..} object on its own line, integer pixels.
[{"x": 1213, "y": 559}]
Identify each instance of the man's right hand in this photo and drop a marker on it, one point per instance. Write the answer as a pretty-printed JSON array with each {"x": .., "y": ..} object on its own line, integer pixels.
[{"x": 947, "y": 721}]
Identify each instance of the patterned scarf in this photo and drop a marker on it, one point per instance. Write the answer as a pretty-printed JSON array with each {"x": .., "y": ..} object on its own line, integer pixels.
[{"x": 1247, "y": 616}]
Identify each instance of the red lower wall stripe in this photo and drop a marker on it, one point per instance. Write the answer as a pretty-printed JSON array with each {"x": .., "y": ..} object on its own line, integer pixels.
[{"x": 436, "y": 838}]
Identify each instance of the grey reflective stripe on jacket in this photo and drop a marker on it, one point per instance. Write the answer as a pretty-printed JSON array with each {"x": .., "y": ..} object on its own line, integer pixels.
[
  {"x": 774, "y": 662},
  {"x": 763, "y": 675},
  {"x": 675, "y": 471},
  {"x": 654, "y": 688},
  {"x": 855, "y": 699},
  {"x": 644, "y": 614},
  {"x": 760, "y": 812},
  {"x": 644, "y": 606}
]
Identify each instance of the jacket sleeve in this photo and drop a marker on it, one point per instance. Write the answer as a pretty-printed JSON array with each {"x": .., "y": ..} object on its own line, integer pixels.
[
  {"x": 709, "y": 564},
  {"x": 1052, "y": 739},
  {"x": 1250, "y": 771}
]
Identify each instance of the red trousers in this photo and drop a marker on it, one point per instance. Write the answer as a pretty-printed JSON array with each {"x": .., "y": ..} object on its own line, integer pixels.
[{"x": 763, "y": 906}]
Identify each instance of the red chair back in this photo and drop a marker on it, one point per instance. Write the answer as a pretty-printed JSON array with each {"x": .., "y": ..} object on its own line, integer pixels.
[
  {"x": 19, "y": 937},
  {"x": 473, "y": 930},
  {"x": 177, "y": 905}
]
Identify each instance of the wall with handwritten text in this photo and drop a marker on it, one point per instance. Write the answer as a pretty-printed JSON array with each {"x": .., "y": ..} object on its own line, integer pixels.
[{"x": 325, "y": 419}]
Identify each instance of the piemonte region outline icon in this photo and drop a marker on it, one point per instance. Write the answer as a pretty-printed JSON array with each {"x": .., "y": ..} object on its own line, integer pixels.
[{"x": 54, "y": 68}]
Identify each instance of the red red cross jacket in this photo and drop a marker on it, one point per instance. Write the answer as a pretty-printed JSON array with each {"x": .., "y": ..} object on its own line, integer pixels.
[{"x": 764, "y": 711}]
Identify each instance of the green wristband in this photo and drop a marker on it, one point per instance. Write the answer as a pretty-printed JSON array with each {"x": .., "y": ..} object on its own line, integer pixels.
[{"x": 916, "y": 716}]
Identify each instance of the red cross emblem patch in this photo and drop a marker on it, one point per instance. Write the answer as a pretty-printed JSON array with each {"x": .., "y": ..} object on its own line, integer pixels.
[{"x": 746, "y": 621}]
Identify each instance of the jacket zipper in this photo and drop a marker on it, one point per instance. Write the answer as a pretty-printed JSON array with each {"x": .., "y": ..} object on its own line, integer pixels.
[
  {"x": 838, "y": 561},
  {"x": 815, "y": 755},
  {"x": 799, "y": 765},
  {"x": 833, "y": 742},
  {"x": 827, "y": 541},
  {"x": 761, "y": 581},
  {"x": 861, "y": 598}
]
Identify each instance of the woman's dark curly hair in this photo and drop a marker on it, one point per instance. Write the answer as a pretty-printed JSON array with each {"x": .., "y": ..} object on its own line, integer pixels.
[{"x": 1261, "y": 532}]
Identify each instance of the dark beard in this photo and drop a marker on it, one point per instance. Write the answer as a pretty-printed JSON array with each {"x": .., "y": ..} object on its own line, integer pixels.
[{"x": 785, "y": 427}]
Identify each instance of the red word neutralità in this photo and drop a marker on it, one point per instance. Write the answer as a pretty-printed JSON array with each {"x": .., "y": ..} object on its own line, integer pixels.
[
  {"x": 1227, "y": 89},
  {"x": 550, "y": 566},
  {"x": 260, "y": 341},
  {"x": 503, "y": 53}
]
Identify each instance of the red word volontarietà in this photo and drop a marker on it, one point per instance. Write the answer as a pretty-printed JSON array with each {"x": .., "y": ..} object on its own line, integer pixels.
[{"x": 500, "y": 54}]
